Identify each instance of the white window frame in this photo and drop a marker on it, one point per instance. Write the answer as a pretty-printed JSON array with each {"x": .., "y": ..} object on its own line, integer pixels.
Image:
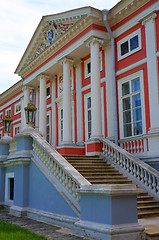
[
  {"x": 120, "y": 82},
  {"x": 60, "y": 107},
  {"x": 48, "y": 86},
  {"x": 86, "y": 62},
  {"x": 127, "y": 38},
  {"x": 86, "y": 96},
  {"x": 8, "y": 109},
  {"x": 49, "y": 124},
  {"x": 7, "y": 189},
  {"x": 16, "y": 126},
  {"x": 17, "y": 104}
]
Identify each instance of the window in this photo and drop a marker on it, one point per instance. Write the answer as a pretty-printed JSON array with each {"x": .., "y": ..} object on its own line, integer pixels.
[
  {"x": 0, "y": 135},
  {"x": 61, "y": 125},
  {"x": 88, "y": 117},
  {"x": 17, "y": 108},
  {"x": 16, "y": 129},
  {"x": 87, "y": 68},
  {"x": 129, "y": 44},
  {"x": 48, "y": 128},
  {"x": 8, "y": 112},
  {"x": 9, "y": 188},
  {"x": 131, "y": 107},
  {"x": 48, "y": 92}
]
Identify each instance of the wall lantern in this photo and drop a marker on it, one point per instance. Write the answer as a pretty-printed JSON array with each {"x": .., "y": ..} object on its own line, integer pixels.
[
  {"x": 7, "y": 121},
  {"x": 30, "y": 111}
]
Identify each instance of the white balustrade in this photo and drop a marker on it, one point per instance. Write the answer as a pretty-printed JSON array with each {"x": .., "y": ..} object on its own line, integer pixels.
[
  {"x": 141, "y": 171},
  {"x": 137, "y": 144}
]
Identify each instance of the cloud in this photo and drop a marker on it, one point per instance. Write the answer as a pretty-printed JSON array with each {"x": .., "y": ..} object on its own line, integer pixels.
[{"x": 19, "y": 19}]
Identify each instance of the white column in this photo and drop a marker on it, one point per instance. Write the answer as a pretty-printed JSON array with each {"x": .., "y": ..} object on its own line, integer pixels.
[
  {"x": 95, "y": 89},
  {"x": 79, "y": 103},
  {"x": 67, "y": 102},
  {"x": 53, "y": 96},
  {"x": 42, "y": 104},
  {"x": 37, "y": 106},
  {"x": 25, "y": 102},
  {"x": 150, "y": 31}
]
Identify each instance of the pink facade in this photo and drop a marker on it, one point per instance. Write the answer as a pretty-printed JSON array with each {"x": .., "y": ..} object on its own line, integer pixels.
[{"x": 59, "y": 67}]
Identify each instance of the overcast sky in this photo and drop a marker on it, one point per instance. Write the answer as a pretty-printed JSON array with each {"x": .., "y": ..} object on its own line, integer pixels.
[{"x": 18, "y": 21}]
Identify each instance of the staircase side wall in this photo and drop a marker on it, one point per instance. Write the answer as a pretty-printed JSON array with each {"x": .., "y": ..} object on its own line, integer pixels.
[{"x": 44, "y": 196}]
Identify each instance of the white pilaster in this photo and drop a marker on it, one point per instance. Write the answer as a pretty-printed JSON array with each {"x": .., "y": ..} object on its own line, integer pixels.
[
  {"x": 42, "y": 104},
  {"x": 79, "y": 103},
  {"x": 109, "y": 92},
  {"x": 67, "y": 102},
  {"x": 25, "y": 102},
  {"x": 150, "y": 31},
  {"x": 95, "y": 89}
]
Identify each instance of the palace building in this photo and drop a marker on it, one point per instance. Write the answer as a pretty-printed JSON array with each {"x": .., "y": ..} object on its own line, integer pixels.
[{"x": 87, "y": 105}]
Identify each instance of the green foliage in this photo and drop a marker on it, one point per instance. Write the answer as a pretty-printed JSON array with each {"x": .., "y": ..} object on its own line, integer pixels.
[{"x": 13, "y": 232}]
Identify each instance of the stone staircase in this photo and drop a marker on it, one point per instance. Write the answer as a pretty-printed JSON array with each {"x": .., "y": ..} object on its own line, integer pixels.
[{"x": 98, "y": 171}]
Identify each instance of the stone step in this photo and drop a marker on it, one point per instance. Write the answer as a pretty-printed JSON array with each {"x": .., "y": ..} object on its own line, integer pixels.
[
  {"x": 98, "y": 171},
  {"x": 147, "y": 203},
  {"x": 148, "y": 214},
  {"x": 110, "y": 182}
]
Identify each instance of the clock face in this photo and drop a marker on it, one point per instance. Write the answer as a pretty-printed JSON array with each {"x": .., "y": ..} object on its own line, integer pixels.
[{"x": 50, "y": 36}]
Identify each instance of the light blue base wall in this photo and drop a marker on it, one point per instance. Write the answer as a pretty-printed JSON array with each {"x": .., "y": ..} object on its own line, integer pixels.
[
  {"x": 43, "y": 196},
  {"x": 2, "y": 184},
  {"x": 111, "y": 210},
  {"x": 21, "y": 176}
]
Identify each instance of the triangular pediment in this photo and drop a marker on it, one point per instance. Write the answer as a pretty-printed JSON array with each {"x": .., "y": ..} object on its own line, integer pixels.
[
  {"x": 51, "y": 31},
  {"x": 51, "y": 28}
]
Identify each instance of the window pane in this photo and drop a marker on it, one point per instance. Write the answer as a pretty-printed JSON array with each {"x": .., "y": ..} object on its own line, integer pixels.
[
  {"x": 125, "y": 89},
  {"x": 138, "y": 128},
  {"x": 89, "y": 102},
  {"x": 127, "y": 130},
  {"x": 127, "y": 116},
  {"x": 124, "y": 48},
  {"x": 137, "y": 114},
  {"x": 126, "y": 103},
  {"x": 11, "y": 180},
  {"x": 61, "y": 113},
  {"x": 136, "y": 100},
  {"x": 135, "y": 84},
  {"x": 89, "y": 127},
  {"x": 48, "y": 91},
  {"x": 89, "y": 67},
  {"x": 47, "y": 119},
  {"x": 134, "y": 43},
  {"x": 89, "y": 115}
]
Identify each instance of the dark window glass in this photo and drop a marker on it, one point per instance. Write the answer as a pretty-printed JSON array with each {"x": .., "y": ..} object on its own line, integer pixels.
[
  {"x": 11, "y": 181},
  {"x": 125, "y": 89},
  {"x": 88, "y": 67},
  {"x": 124, "y": 48},
  {"x": 48, "y": 91},
  {"x": 127, "y": 130},
  {"x": 134, "y": 42}
]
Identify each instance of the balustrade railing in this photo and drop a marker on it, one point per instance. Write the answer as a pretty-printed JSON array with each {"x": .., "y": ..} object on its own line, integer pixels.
[
  {"x": 142, "y": 172},
  {"x": 137, "y": 144}
]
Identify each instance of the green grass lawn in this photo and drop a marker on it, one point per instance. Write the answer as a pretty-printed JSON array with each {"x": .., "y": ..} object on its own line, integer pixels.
[{"x": 13, "y": 232}]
